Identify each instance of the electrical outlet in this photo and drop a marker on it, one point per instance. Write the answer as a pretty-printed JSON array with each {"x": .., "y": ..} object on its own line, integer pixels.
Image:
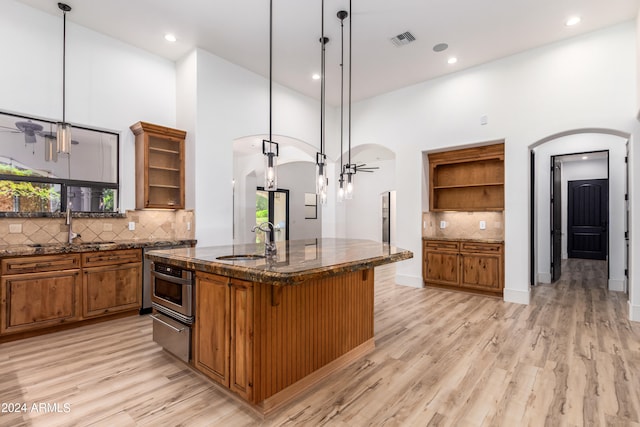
[
  {"x": 443, "y": 224},
  {"x": 107, "y": 227},
  {"x": 483, "y": 225},
  {"x": 132, "y": 226},
  {"x": 15, "y": 228},
  {"x": 188, "y": 226}
]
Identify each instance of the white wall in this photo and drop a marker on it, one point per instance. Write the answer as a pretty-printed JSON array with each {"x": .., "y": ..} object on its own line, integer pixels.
[
  {"x": 233, "y": 103},
  {"x": 579, "y": 143},
  {"x": 299, "y": 178},
  {"x": 584, "y": 82},
  {"x": 367, "y": 202},
  {"x": 110, "y": 85}
]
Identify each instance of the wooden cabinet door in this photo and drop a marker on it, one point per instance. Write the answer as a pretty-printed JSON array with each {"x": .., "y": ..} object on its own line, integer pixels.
[
  {"x": 212, "y": 341},
  {"x": 241, "y": 355},
  {"x": 442, "y": 267},
  {"x": 111, "y": 288},
  {"x": 34, "y": 301},
  {"x": 481, "y": 271}
]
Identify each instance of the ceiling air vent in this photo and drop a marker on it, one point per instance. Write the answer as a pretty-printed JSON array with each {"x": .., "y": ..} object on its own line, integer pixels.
[{"x": 403, "y": 39}]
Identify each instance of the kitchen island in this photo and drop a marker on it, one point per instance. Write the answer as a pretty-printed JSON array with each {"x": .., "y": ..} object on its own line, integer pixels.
[{"x": 268, "y": 329}]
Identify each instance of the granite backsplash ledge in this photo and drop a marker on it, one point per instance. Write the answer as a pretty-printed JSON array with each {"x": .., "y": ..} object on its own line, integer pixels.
[
  {"x": 463, "y": 225},
  {"x": 149, "y": 225}
]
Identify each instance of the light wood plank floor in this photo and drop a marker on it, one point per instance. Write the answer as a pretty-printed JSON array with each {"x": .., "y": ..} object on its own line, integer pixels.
[{"x": 442, "y": 358}]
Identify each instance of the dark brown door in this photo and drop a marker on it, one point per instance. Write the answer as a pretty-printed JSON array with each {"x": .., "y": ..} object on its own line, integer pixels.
[
  {"x": 556, "y": 219},
  {"x": 588, "y": 217}
]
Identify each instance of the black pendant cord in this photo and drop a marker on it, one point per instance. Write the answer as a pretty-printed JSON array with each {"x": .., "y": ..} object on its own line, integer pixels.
[
  {"x": 64, "y": 63},
  {"x": 342, "y": 14},
  {"x": 323, "y": 42},
  {"x": 350, "y": 43},
  {"x": 270, "y": 67}
]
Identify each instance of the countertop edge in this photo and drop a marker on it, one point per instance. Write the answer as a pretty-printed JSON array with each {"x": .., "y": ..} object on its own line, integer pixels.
[
  {"x": 464, "y": 239},
  {"x": 65, "y": 248},
  {"x": 289, "y": 278}
]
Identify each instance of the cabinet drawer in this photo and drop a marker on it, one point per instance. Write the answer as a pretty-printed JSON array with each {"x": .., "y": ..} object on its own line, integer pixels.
[
  {"x": 37, "y": 264},
  {"x": 481, "y": 247},
  {"x": 441, "y": 245},
  {"x": 95, "y": 259}
]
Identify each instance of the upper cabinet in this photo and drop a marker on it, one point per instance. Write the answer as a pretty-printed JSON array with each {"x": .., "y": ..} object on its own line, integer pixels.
[
  {"x": 471, "y": 179},
  {"x": 159, "y": 166}
]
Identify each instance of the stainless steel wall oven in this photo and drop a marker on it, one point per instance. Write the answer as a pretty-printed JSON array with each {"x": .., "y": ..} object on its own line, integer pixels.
[{"x": 172, "y": 296}]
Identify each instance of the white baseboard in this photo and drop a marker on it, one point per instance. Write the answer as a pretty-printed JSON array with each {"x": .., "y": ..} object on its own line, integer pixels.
[
  {"x": 517, "y": 296},
  {"x": 544, "y": 278},
  {"x": 634, "y": 312},
  {"x": 617, "y": 285},
  {"x": 406, "y": 280}
]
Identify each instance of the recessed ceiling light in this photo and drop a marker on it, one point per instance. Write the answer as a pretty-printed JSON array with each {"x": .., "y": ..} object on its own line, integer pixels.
[
  {"x": 452, "y": 60},
  {"x": 585, "y": 157},
  {"x": 574, "y": 20},
  {"x": 440, "y": 47},
  {"x": 316, "y": 76},
  {"x": 170, "y": 37}
]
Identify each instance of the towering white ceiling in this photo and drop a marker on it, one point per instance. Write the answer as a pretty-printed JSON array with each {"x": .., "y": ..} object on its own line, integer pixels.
[{"x": 476, "y": 32}]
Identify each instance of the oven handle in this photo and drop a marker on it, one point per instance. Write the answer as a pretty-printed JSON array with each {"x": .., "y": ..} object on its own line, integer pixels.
[
  {"x": 172, "y": 279},
  {"x": 166, "y": 324}
]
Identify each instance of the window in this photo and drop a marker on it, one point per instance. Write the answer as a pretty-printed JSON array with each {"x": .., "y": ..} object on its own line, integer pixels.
[{"x": 35, "y": 178}]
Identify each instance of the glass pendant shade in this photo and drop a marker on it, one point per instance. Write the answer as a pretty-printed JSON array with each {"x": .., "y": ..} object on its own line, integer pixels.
[
  {"x": 50, "y": 149},
  {"x": 348, "y": 193},
  {"x": 341, "y": 189},
  {"x": 64, "y": 138},
  {"x": 270, "y": 151},
  {"x": 321, "y": 174}
]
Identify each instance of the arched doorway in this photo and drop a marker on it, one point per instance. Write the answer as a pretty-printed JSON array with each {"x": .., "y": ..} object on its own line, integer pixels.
[
  {"x": 573, "y": 156},
  {"x": 296, "y": 183}
]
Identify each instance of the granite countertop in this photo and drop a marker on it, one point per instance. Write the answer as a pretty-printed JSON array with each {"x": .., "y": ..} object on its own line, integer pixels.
[
  {"x": 296, "y": 260},
  {"x": 63, "y": 248},
  {"x": 463, "y": 239}
]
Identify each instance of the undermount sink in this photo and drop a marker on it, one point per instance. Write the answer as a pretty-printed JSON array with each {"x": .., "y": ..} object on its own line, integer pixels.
[{"x": 245, "y": 257}]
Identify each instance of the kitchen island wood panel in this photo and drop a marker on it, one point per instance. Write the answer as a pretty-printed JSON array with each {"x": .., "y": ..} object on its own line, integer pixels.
[
  {"x": 313, "y": 325},
  {"x": 259, "y": 340},
  {"x": 212, "y": 338}
]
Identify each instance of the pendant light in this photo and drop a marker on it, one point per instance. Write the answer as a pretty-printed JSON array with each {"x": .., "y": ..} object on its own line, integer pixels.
[
  {"x": 341, "y": 190},
  {"x": 50, "y": 147},
  {"x": 270, "y": 149},
  {"x": 350, "y": 169},
  {"x": 64, "y": 128},
  {"x": 321, "y": 157}
]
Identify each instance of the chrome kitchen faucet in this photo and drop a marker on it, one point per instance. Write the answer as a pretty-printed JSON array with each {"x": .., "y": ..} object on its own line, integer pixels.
[
  {"x": 69, "y": 222},
  {"x": 270, "y": 249}
]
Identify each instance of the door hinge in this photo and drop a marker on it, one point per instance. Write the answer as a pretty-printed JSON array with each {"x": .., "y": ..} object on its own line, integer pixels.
[
  {"x": 626, "y": 234},
  {"x": 626, "y": 159},
  {"x": 626, "y": 272},
  {"x": 626, "y": 197}
]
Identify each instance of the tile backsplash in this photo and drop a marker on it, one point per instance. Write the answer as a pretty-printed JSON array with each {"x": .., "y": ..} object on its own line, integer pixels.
[
  {"x": 148, "y": 225},
  {"x": 463, "y": 225}
]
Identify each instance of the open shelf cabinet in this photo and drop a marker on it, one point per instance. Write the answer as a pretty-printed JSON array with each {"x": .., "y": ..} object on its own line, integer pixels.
[
  {"x": 470, "y": 179},
  {"x": 159, "y": 166}
]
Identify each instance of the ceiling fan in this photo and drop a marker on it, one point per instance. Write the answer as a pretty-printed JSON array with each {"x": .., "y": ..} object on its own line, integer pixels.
[
  {"x": 364, "y": 168},
  {"x": 29, "y": 129}
]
